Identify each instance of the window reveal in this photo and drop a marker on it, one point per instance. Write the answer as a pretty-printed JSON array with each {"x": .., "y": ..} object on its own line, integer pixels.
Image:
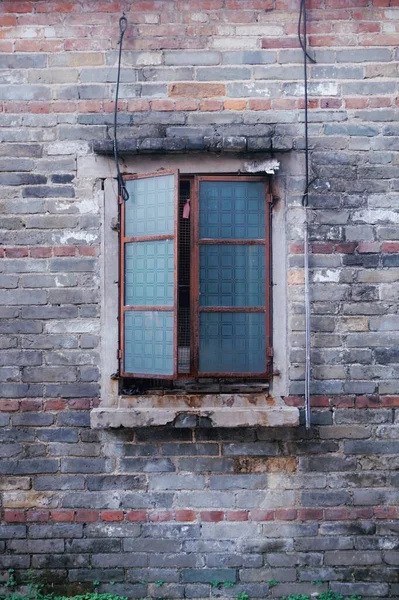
[{"x": 195, "y": 292}]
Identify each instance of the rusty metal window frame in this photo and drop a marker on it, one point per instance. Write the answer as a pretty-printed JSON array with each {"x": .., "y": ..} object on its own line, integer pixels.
[{"x": 195, "y": 309}]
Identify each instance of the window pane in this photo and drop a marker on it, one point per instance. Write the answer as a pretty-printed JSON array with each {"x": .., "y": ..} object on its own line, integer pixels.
[
  {"x": 232, "y": 275},
  {"x": 232, "y": 343},
  {"x": 232, "y": 209},
  {"x": 150, "y": 208},
  {"x": 149, "y": 342},
  {"x": 149, "y": 270}
]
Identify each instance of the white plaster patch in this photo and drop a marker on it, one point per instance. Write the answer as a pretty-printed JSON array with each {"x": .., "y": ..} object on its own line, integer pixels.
[
  {"x": 78, "y": 326},
  {"x": 326, "y": 276},
  {"x": 262, "y": 166},
  {"x": 376, "y": 216},
  {"x": 72, "y": 237},
  {"x": 79, "y": 148}
]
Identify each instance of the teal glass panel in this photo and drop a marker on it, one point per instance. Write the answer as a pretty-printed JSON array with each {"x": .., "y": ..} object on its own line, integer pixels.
[
  {"x": 232, "y": 209},
  {"x": 232, "y": 275},
  {"x": 232, "y": 343},
  {"x": 149, "y": 342},
  {"x": 149, "y": 268},
  {"x": 150, "y": 208}
]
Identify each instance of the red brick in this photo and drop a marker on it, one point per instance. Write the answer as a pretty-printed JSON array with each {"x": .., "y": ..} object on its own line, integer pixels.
[
  {"x": 286, "y": 514},
  {"x": 79, "y": 403},
  {"x": 87, "y": 250},
  {"x": 188, "y": 104},
  {"x": 310, "y": 514},
  {"x": 112, "y": 515},
  {"x": 320, "y": 401},
  {"x": 385, "y": 512},
  {"x": 259, "y": 104},
  {"x": 390, "y": 401},
  {"x": 365, "y": 512},
  {"x": 14, "y": 516},
  {"x": 64, "y": 250},
  {"x": 30, "y": 405},
  {"x": 138, "y": 106},
  {"x": 261, "y": 515},
  {"x": 210, "y": 105},
  {"x": 355, "y": 103},
  {"x": 38, "y": 516},
  {"x": 65, "y": 516},
  {"x": 8, "y": 20},
  {"x": 336, "y": 514},
  {"x": 9, "y": 405},
  {"x": 40, "y": 108},
  {"x": 330, "y": 102},
  {"x": 390, "y": 247},
  {"x": 137, "y": 515},
  {"x": 368, "y": 247},
  {"x": 296, "y": 248},
  {"x": 45, "y": 252},
  {"x": 86, "y": 516},
  {"x": 368, "y": 402},
  {"x": 16, "y": 252},
  {"x": 237, "y": 515},
  {"x": 63, "y": 107},
  {"x": 345, "y": 247},
  {"x": 197, "y": 90},
  {"x": 342, "y": 401},
  {"x": 212, "y": 516},
  {"x": 56, "y": 404},
  {"x": 284, "y": 104},
  {"x": 280, "y": 42},
  {"x": 322, "y": 248},
  {"x": 234, "y": 104},
  {"x": 185, "y": 515},
  {"x": 160, "y": 516},
  {"x": 162, "y": 105},
  {"x": 294, "y": 400}
]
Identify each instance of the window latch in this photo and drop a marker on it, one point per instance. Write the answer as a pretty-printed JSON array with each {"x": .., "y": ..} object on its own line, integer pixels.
[{"x": 115, "y": 225}]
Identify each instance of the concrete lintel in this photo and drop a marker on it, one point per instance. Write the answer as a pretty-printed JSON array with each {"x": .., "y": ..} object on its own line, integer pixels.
[
  {"x": 182, "y": 145},
  {"x": 205, "y": 416}
]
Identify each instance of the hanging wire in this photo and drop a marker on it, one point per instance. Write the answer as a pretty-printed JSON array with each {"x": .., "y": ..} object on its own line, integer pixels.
[
  {"x": 302, "y": 24},
  {"x": 121, "y": 182}
]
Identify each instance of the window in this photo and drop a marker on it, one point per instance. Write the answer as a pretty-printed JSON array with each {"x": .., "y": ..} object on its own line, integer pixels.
[{"x": 195, "y": 278}]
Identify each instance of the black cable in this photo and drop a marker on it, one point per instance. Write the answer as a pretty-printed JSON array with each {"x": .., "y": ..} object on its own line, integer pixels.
[
  {"x": 121, "y": 182},
  {"x": 303, "y": 43}
]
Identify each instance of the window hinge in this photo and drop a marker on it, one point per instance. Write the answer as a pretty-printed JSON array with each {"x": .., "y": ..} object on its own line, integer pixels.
[
  {"x": 119, "y": 354},
  {"x": 115, "y": 375},
  {"x": 270, "y": 198},
  {"x": 270, "y": 351}
]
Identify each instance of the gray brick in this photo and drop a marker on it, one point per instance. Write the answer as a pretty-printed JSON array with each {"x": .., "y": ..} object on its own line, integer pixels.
[
  {"x": 117, "y": 482},
  {"x": 348, "y": 528},
  {"x": 352, "y": 557},
  {"x": 33, "y": 547},
  {"x": 356, "y": 55},
  {"x": 58, "y": 482},
  {"x": 73, "y": 419},
  {"x": 93, "y": 499},
  {"x": 84, "y": 465},
  {"x": 199, "y": 464},
  {"x": 58, "y": 435},
  {"x": 56, "y": 530},
  {"x": 20, "y": 297},
  {"x": 9, "y": 532},
  {"x": 93, "y": 546},
  {"x": 33, "y": 419},
  {"x": 325, "y": 498},
  {"x": 153, "y": 465},
  {"x": 371, "y": 589},
  {"x": 208, "y": 575},
  {"x": 25, "y": 92},
  {"x": 60, "y": 561},
  {"x": 191, "y": 58},
  {"x": 113, "y": 530},
  {"x": 222, "y": 73},
  {"x": 107, "y": 561},
  {"x": 72, "y": 390},
  {"x": 29, "y": 466},
  {"x": 249, "y": 57},
  {"x": 96, "y": 575},
  {"x": 72, "y": 264}
]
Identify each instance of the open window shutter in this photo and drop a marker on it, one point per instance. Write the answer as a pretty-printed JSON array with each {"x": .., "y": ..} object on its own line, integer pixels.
[
  {"x": 233, "y": 311},
  {"x": 148, "y": 277}
]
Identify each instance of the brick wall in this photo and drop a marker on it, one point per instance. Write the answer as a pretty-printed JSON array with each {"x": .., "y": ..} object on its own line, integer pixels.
[{"x": 190, "y": 507}]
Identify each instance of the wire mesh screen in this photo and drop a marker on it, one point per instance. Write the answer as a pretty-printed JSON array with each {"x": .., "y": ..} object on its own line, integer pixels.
[{"x": 183, "y": 322}]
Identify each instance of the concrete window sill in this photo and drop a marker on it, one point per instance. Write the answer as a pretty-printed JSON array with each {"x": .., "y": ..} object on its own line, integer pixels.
[{"x": 208, "y": 410}]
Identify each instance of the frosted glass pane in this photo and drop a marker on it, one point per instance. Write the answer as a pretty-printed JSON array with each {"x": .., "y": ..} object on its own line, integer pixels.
[
  {"x": 150, "y": 208},
  {"x": 149, "y": 270},
  {"x": 149, "y": 342},
  {"x": 232, "y": 275},
  {"x": 232, "y": 209},
  {"x": 232, "y": 343}
]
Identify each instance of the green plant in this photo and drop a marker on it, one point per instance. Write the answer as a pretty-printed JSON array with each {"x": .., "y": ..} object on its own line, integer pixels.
[
  {"x": 159, "y": 583},
  {"x": 242, "y": 596},
  {"x": 12, "y": 582},
  {"x": 272, "y": 583},
  {"x": 228, "y": 584}
]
